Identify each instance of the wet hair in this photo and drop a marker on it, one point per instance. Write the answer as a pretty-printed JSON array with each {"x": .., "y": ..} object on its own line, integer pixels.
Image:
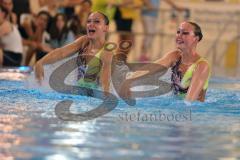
[
  {"x": 105, "y": 17},
  {"x": 4, "y": 10},
  {"x": 197, "y": 30}
]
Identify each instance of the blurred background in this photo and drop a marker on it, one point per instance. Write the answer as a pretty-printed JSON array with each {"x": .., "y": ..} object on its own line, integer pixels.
[{"x": 45, "y": 25}]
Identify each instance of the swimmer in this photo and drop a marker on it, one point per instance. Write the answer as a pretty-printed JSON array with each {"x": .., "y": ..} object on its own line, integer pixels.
[
  {"x": 190, "y": 71},
  {"x": 94, "y": 63}
]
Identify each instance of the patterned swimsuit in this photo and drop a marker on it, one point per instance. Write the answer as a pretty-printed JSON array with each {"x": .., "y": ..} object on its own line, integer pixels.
[
  {"x": 88, "y": 72},
  {"x": 181, "y": 80},
  {"x": 176, "y": 79}
]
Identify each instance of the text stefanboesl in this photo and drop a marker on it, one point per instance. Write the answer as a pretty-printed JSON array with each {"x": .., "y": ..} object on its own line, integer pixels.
[{"x": 158, "y": 115}]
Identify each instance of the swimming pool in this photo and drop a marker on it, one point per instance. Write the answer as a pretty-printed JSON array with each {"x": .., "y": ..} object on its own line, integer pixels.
[{"x": 155, "y": 128}]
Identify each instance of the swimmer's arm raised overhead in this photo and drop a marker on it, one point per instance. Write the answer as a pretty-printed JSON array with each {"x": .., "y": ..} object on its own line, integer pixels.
[
  {"x": 58, "y": 54},
  {"x": 200, "y": 76}
]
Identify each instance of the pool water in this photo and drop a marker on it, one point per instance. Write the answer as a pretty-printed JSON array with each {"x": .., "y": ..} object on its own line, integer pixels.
[{"x": 163, "y": 127}]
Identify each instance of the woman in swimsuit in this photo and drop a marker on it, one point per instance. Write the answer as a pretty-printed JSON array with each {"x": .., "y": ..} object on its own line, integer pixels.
[
  {"x": 190, "y": 71},
  {"x": 94, "y": 63}
]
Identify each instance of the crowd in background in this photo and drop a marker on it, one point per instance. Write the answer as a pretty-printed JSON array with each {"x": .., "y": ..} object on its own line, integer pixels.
[{"x": 29, "y": 29}]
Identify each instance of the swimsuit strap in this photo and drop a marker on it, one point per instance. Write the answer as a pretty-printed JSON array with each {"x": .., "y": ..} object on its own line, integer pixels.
[
  {"x": 186, "y": 80},
  {"x": 90, "y": 77}
]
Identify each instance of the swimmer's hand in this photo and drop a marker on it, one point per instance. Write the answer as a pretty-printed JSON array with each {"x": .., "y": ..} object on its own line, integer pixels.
[{"x": 39, "y": 72}]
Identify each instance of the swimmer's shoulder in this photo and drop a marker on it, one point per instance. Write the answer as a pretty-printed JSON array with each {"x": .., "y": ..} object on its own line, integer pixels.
[
  {"x": 82, "y": 41},
  {"x": 203, "y": 66},
  {"x": 169, "y": 58},
  {"x": 176, "y": 54}
]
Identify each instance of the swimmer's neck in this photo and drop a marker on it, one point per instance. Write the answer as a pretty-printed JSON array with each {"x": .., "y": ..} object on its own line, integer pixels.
[
  {"x": 189, "y": 57},
  {"x": 98, "y": 43}
]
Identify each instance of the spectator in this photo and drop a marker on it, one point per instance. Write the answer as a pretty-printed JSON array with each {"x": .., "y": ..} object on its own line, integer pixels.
[
  {"x": 149, "y": 18},
  {"x": 20, "y": 7},
  {"x": 10, "y": 41},
  {"x": 75, "y": 26},
  {"x": 85, "y": 10},
  {"x": 60, "y": 35},
  {"x": 126, "y": 12},
  {"x": 37, "y": 31},
  {"x": 8, "y": 5}
]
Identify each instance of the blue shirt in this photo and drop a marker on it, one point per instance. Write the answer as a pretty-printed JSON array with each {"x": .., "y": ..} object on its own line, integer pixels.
[{"x": 152, "y": 13}]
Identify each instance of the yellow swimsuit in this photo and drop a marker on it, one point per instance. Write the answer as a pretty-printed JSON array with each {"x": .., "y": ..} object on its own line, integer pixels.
[
  {"x": 181, "y": 83},
  {"x": 90, "y": 73}
]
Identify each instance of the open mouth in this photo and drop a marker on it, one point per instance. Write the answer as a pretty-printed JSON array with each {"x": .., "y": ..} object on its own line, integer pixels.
[
  {"x": 91, "y": 30},
  {"x": 179, "y": 41}
]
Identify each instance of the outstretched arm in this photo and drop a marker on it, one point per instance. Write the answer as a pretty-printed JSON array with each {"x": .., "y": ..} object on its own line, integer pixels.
[
  {"x": 199, "y": 78},
  {"x": 161, "y": 64},
  {"x": 57, "y": 55}
]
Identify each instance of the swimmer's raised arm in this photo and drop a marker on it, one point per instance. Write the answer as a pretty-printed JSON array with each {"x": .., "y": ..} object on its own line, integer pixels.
[
  {"x": 58, "y": 54},
  {"x": 159, "y": 65},
  {"x": 65, "y": 51}
]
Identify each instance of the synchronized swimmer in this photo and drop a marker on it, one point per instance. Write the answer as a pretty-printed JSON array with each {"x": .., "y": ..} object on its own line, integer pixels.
[
  {"x": 94, "y": 63},
  {"x": 190, "y": 71}
]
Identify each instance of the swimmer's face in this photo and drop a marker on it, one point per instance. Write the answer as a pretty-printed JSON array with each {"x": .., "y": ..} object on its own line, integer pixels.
[
  {"x": 185, "y": 37},
  {"x": 96, "y": 26}
]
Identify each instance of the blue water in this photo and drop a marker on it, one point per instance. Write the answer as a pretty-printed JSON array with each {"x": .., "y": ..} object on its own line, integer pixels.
[{"x": 155, "y": 128}]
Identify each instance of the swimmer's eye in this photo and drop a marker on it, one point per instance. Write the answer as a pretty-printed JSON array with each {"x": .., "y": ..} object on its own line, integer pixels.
[
  {"x": 184, "y": 32},
  {"x": 94, "y": 21}
]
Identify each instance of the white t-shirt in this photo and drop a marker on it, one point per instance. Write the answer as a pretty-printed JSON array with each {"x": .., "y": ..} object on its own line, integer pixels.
[{"x": 12, "y": 41}]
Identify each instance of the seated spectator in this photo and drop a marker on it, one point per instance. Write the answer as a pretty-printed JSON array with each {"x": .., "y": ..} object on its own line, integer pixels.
[
  {"x": 60, "y": 35},
  {"x": 10, "y": 41},
  {"x": 75, "y": 26},
  {"x": 8, "y": 5},
  {"x": 36, "y": 32},
  {"x": 84, "y": 12}
]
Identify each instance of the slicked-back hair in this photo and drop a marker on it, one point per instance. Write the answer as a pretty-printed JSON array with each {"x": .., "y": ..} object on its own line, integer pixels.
[
  {"x": 105, "y": 17},
  {"x": 197, "y": 30}
]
